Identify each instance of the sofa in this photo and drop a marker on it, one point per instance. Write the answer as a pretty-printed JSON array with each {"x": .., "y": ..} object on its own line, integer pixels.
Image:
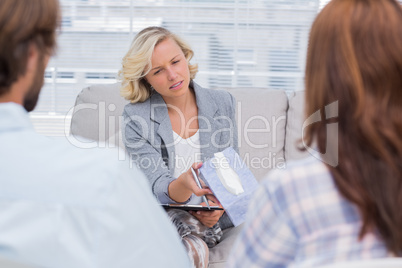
[{"x": 269, "y": 129}]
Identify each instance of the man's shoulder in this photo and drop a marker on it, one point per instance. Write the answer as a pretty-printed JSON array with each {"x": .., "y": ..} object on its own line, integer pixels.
[
  {"x": 52, "y": 170},
  {"x": 100, "y": 163}
]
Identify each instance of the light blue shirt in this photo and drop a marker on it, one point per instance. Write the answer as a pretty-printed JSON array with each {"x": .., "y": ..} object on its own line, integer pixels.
[{"x": 67, "y": 207}]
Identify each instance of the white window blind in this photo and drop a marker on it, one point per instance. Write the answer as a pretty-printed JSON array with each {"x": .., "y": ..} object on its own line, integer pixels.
[{"x": 237, "y": 43}]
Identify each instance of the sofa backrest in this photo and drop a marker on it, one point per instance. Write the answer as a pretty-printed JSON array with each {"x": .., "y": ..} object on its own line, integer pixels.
[
  {"x": 261, "y": 122},
  {"x": 267, "y": 126}
]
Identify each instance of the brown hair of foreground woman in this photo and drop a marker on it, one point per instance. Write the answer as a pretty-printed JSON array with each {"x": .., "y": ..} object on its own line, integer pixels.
[{"x": 357, "y": 61}]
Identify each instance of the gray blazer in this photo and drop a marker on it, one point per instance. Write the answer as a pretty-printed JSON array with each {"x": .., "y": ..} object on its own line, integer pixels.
[{"x": 148, "y": 135}]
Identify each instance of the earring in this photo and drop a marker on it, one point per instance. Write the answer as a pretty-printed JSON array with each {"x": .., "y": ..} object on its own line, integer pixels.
[{"x": 152, "y": 88}]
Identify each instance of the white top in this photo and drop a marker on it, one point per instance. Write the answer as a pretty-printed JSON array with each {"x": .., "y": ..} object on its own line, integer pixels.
[
  {"x": 187, "y": 152},
  {"x": 66, "y": 207}
]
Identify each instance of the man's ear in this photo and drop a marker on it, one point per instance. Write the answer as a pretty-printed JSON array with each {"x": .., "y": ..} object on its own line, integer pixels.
[{"x": 33, "y": 57}]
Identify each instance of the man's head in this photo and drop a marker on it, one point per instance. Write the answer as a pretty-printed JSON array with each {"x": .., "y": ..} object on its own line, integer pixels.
[{"x": 27, "y": 33}]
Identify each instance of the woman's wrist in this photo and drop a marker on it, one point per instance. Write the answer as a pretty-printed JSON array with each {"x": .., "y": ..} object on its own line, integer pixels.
[{"x": 178, "y": 192}]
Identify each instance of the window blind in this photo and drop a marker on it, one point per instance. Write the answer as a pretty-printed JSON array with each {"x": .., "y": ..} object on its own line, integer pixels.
[{"x": 237, "y": 43}]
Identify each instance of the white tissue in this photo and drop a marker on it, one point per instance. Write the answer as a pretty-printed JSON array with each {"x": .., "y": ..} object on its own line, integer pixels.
[{"x": 228, "y": 177}]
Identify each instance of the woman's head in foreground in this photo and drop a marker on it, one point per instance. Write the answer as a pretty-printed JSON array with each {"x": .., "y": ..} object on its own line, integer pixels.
[{"x": 355, "y": 59}]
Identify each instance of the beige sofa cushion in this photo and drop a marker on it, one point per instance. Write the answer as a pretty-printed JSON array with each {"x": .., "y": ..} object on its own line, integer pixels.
[
  {"x": 261, "y": 122},
  {"x": 219, "y": 254}
]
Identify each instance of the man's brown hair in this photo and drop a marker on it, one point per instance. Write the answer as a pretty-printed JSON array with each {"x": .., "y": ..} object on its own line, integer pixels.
[{"x": 22, "y": 23}]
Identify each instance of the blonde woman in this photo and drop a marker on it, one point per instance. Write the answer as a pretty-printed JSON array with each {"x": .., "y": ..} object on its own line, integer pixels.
[{"x": 173, "y": 124}]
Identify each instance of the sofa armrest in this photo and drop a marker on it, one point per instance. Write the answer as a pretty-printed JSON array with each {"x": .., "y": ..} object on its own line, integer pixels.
[
  {"x": 295, "y": 119},
  {"x": 97, "y": 114}
]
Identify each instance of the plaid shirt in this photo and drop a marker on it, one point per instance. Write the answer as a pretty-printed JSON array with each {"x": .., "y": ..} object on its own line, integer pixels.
[{"x": 299, "y": 219}]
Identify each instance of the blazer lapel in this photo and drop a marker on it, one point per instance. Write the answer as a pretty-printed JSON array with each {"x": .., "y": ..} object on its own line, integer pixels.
[
  {"x": 163, "y": 128},
  {"x": 210, "y": 127}
]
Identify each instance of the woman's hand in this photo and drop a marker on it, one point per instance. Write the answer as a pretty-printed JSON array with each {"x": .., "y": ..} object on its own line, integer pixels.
[
  {"x": 184, "y": 186},
  {"x": 209, "y": 218}
]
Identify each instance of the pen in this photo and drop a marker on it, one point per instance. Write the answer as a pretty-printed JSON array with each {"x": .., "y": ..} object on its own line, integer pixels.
[{"x": 199, "y": 185}]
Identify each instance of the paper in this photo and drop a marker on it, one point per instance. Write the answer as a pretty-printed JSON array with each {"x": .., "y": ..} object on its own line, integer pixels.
[
  {"x": 228, "y": 177},
  {"x": 234, "y": 192}
]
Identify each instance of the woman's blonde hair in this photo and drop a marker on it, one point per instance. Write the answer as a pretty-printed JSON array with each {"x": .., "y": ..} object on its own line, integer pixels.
[{"x": 136, "y": 64}]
